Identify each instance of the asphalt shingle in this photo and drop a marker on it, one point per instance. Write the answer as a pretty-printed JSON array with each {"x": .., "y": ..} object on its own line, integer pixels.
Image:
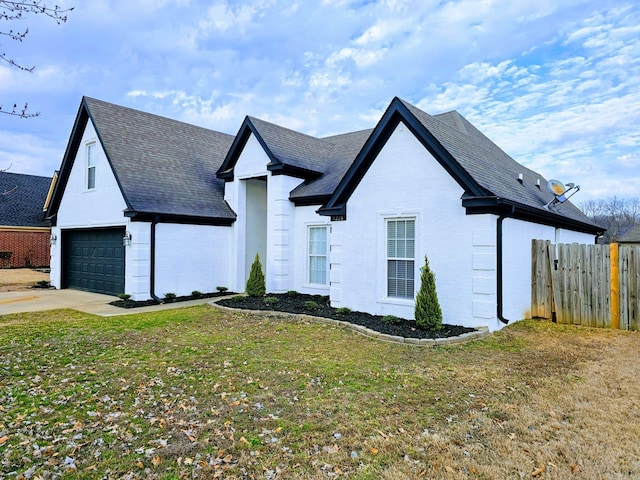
[
  {"x": 163, "y": 166},
  {"x": 22, "y": 198}
]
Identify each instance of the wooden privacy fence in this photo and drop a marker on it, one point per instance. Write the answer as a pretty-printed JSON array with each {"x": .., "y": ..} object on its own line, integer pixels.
[{"x": 590, "y": 285}]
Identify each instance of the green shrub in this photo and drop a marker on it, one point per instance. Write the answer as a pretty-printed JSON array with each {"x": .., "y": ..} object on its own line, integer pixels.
[
  {"x": 271, "y": 300},
  {"x": 222, "y": 289},
  {"x": 124, "y": 296},
  {"x": 292, "y": 293},
  {"x": 391, "y": 320},
  {"x": 256, "y": 284},
  {"x": 427, "y": 311},
  {"x": 43, "y": 284},
  {"x": 197, "y": 294},
  {"x": 238, "y": 298},
  {"x": 310, "y": 305},
  {"x": 170, "y": 297},
  {"x": 343, "y": 311}
]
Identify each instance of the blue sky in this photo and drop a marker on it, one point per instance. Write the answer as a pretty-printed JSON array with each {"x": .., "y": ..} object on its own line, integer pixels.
[{"x": 555, "y": 83}]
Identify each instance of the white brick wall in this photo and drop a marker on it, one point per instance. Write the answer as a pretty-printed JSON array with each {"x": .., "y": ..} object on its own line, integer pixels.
[
  {"x": 405, "y": 180},
  {"x": 191, "y": 257}
]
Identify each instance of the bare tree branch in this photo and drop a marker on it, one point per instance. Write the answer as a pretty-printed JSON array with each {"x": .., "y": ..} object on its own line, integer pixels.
[
  {"x": 613, "y": 213},
  {"x": 19, "y": 113},
  {"x": 17, "y": 11}
]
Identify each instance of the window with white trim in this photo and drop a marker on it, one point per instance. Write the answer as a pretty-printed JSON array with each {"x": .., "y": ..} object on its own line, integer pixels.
[
  {"x": 318, "y": 261},
  {"x": 401, "y": 235},
  {"x": 91, "y": 166}
]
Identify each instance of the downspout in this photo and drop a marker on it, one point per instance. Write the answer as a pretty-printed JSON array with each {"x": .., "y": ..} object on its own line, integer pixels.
[
  {"x": 152, "y": 266},
  {"x": 499, "y": 263}
]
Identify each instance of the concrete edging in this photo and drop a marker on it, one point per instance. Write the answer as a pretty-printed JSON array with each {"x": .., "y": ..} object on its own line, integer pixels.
[{"x": 480, "y": 332}]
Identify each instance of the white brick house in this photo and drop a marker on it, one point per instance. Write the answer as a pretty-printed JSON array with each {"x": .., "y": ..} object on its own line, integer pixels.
[{"x": 350, "y": 216}]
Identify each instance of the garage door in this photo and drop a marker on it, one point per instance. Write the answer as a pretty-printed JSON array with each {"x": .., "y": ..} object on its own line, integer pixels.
[{"x": 93, "y": 260}]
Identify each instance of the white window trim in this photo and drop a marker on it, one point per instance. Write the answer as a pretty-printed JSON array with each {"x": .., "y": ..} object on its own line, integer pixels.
[
  {"x": 87, "y": 145},
  {"x": 307, "y": 273},
  {"x": 381, "y": 255}
]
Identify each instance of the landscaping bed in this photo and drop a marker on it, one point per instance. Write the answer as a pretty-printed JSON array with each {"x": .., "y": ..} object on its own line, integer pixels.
[
  {"x": 128, "y": 303},
  {"x": 319, "y": 306}
]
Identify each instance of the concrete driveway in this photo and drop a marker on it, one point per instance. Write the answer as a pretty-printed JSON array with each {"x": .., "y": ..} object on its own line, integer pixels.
[{"x": 36, "y": 300}]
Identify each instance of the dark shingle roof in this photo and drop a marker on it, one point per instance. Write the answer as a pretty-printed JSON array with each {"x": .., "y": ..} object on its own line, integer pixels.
[
  {"x": 343, "y": 149},
  {"x": 293, "y": 148},
  {"x": 489, "y": 165},
  {"x": 632, "y": 235},
  {"x": 172, "y": 168},
  {"x": 22, "y": 198},
  {"x": 163, "y": 166}
]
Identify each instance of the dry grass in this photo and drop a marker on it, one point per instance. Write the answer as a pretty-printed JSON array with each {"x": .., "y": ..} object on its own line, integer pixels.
[
  {"x": 19, "y": 278},
  {"x": 200, "y": 393}
]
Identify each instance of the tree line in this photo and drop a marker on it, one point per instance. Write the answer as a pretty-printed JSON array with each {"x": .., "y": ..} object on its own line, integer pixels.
[{"x": 615, "y": 214}]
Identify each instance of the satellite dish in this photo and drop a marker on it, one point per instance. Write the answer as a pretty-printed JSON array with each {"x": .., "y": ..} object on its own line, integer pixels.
[{"x": 558, "y": 189}]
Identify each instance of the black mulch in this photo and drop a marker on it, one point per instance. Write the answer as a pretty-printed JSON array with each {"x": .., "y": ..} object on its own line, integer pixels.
[
  {"x": 297, "y": 303},
  {"x": 145, "y": 303}
]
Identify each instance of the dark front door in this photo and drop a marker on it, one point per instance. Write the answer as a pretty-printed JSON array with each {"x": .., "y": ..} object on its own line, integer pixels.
[{"x": 93, "y": 260}]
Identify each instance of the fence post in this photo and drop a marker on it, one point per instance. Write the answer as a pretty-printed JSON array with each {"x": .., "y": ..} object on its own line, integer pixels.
[{"x": 615, "y": 285}]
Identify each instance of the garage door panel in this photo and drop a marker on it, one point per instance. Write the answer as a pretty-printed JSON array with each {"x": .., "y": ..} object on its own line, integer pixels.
[{"x": 94, "y": 260}]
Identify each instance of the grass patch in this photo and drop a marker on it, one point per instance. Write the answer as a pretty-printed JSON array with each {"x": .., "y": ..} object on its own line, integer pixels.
[{"x": 195, "y": 391}]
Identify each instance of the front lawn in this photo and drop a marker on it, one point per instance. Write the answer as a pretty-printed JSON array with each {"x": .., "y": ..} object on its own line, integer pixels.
[{"x": 204, "y": 393}]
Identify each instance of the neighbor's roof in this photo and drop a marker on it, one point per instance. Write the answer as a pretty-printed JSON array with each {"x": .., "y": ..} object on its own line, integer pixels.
[
  {"x": 164, "y": 167},
  {"x": 630, "y": 236},
  {"x": 22, "y": 198}
]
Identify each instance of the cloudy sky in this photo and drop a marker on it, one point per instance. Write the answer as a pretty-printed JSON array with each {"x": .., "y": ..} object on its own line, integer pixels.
[{"x": 555, "y": 83}]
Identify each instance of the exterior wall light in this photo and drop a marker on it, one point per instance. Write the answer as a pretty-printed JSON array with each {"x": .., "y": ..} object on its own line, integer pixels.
[
  {"x": 53, "y": 239},
  {"x": 126, "y": 240}
]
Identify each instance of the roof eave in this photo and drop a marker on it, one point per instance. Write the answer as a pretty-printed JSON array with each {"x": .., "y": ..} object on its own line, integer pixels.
[
  {"x": 137, "y": 216},
  {"x": 396, "y": 113},
  {"x": 519, "y": 211}
]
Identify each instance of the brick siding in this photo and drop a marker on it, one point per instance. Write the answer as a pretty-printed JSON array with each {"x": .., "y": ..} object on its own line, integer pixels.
[{"x": 30, "y": 248}]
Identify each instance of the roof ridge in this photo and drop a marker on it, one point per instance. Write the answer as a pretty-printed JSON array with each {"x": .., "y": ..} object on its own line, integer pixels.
[
  {"x": 291, "y": 130},
  {"x": 150, "y": 114}
]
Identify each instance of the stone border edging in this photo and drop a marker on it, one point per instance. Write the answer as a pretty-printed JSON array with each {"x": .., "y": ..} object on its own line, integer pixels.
[{"x": 367, "y": 332}]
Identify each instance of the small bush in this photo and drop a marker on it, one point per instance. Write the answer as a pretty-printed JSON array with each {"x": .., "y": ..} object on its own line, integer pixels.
[
  {"x": 170, "y": 297},
  {"x": 427, "y": 311},
  {"x": 238, "y": 298},
  {"x": 222, "y": 289},
  {"x": 310, "y": 305},
  {"x": 43, "y": 284},
  {"x": 124, "y": 296},
  {"x": 270, "y": 300},
  {"x": 343, "y": 311},
  {"x": 391, "y": 320},
  {"x": 292, "y": 293},
  {"x": 256, "y": 284},
  {"x": 197, "y": 294}
]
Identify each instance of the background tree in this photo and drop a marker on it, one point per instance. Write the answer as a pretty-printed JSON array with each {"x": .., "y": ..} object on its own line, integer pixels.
[
  {"x": 615, "y": 214},
  {"x": 428, "y": 313},
  {"x": 11, "y": 11}
]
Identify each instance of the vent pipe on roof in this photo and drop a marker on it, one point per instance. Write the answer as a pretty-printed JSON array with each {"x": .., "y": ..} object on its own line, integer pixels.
[
  {"x": 521, "y": 178},
  {"x": 538, "y": 183}
]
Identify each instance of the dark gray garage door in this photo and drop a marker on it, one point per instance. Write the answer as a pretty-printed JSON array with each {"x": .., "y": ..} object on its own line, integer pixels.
[{"x": 93, "y": 260}]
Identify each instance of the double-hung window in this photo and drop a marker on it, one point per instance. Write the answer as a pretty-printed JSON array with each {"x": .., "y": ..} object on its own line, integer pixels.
[
  {"x": 318, "y": 261},
  {"x": 401, "y": 235},
  {"x": 91, "y": 166}
]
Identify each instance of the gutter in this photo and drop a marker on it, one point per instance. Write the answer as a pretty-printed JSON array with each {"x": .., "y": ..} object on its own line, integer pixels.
[
  {"x": 152, "y": 266},
  {"x": 499, "y": 282}
]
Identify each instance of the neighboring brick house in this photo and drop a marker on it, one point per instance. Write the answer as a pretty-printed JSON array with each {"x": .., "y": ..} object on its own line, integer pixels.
[{"x": 24, "y": 233}]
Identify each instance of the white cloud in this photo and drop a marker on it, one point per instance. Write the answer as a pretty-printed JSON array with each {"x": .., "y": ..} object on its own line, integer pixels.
[{"x": 554, "y": 83}]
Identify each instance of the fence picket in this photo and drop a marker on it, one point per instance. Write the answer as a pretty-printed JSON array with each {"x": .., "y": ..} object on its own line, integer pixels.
[{"x": 573, "y": 282}]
